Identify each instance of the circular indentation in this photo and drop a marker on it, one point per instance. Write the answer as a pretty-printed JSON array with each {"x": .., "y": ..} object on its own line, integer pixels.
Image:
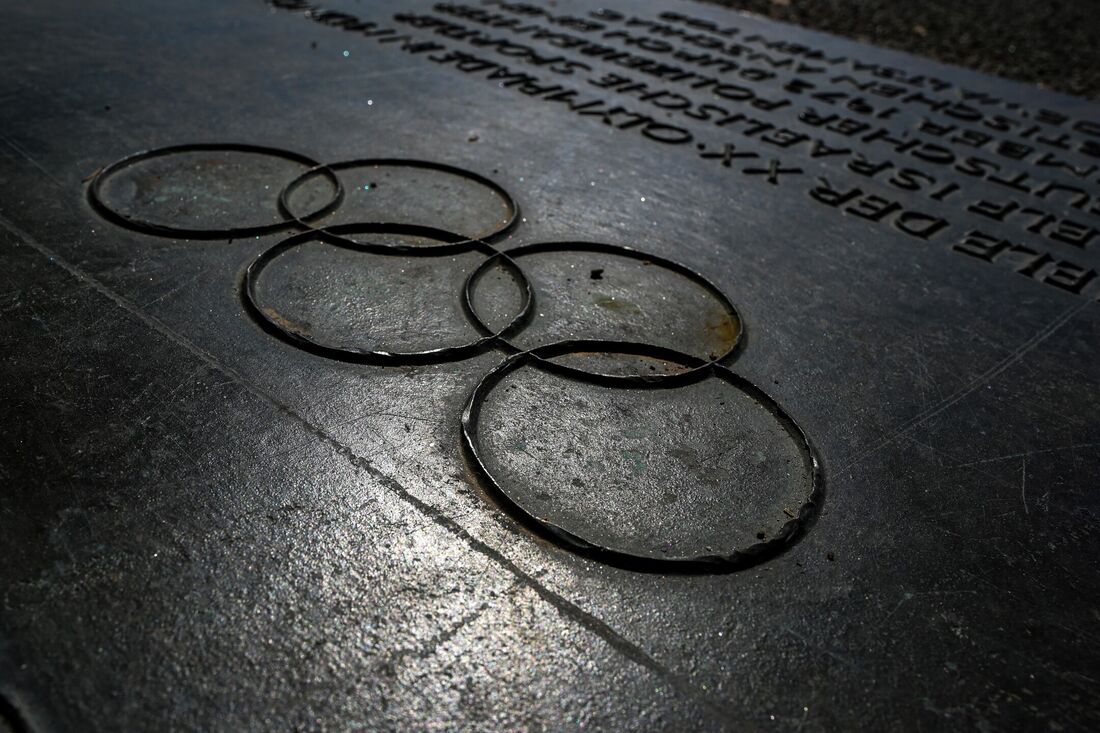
[
  {"x": 592, "y": 291},
  {"x": 391, "y": 300},
  {"x": 399, "y": 190},
  {"x": 200, "y": 191},
  {"x": 700, "y": 470}
]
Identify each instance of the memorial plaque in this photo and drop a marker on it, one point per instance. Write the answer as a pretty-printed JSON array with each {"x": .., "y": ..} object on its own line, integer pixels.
[{"x": 508, "y": 366}]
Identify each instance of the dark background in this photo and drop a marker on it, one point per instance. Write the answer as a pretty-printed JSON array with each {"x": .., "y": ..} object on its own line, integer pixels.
[{"x": 1052, "y": 44}]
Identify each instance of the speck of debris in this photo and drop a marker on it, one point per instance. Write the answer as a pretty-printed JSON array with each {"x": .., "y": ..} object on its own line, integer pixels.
[
  {"x": 473, "y": 138},
  {"x": 760, "y": 535},
  {"x": 830, "y": 556},
  {"x": 596, "y": 274},
  {"x": 106, "y": 108},
  {"x": 313, "y": 44}
]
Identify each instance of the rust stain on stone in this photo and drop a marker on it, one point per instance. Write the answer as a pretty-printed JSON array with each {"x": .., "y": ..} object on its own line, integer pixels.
[{"x": 285, "y": 323}]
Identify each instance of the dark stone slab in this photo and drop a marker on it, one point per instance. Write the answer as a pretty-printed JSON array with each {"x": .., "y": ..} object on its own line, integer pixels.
[{"x": 633, "y": 368}]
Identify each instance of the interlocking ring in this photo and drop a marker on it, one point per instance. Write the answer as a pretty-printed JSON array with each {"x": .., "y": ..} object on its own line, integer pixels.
[
  {"x": 510, "y": 257},
  {"x": 99, "y": 202},
  {"x": 696, "y": 370},
  {"x": 337, "y": 236},
  {"x": 762, "y": 419},
  {"x": 330, "y": 169}
]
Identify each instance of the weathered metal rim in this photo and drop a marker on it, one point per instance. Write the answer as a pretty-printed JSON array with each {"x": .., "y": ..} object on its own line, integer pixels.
[
  {"x": 732, "y": 560},
  {"x": 453, "y": 244},
  {"x": 99, "y": 203}
]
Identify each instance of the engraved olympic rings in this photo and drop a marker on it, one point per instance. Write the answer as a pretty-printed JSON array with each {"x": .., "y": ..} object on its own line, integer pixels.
[{"x": 553, "y": 357}]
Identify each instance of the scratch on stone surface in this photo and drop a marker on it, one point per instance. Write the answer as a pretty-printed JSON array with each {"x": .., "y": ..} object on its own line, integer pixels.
[
  {"x": 25, "y": 301},
  {"x": 447, "y": 634},
  {"x": 1085, "y": 634},
  {"x": 952, "y": 462},
  {"x": 30, "y": 159},
  {"x": 1023, "y": 483},
  {"x": 904, "y": 598},
  {"x": 354, "y": 76},
  {"x": 378, "y": 413},
  {"x": 827, "y": 652},
  {"x": 144, "y": 390},
  {"x": 432, "y": 645},
  {"x": 185, "y": 380},
  {"x": 171, "y": 292},
  {"x": 979, "y": 381},
  {"x": 1025, "y": 454}
]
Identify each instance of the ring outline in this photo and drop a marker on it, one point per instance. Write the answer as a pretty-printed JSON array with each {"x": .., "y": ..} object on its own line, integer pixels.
[
  {"x": 330, "y": 169},
  {"x": 453, "y": 244},
  {"x": 99, "y": 203},
  {"x": 739, "y": 558},
  {"x": 513, "y": 254}
]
